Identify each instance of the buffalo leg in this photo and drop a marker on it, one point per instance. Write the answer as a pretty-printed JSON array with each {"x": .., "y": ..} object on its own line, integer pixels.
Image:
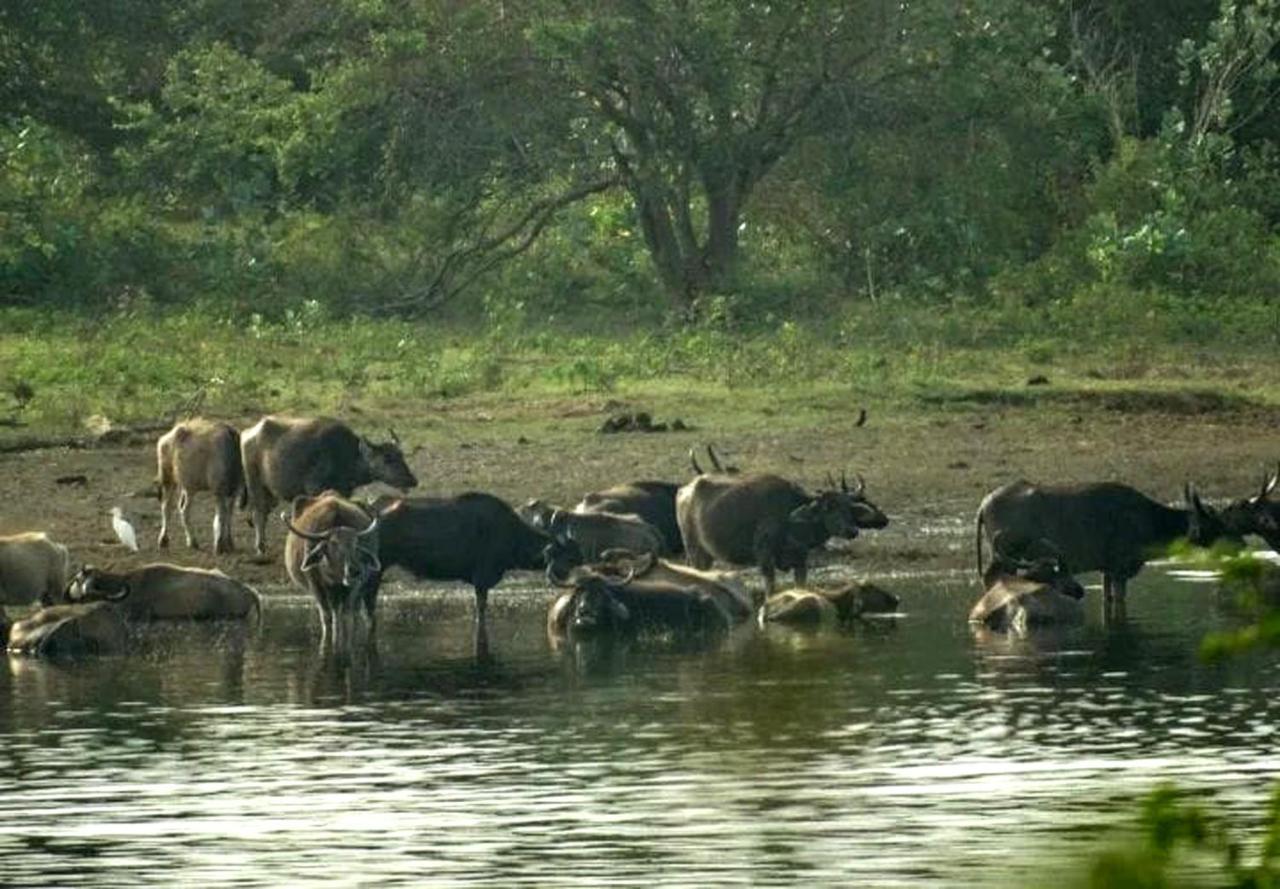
[
  {"x": 166, "y": 503},
  {"x": 259, "y": 511},
  {"x": 222, "y": 526},
  {"x": 482, "y": 602},
  {"x": 697, "y": 556},
  {"x": 801, "y": 572},
  {"x": 184, "y": 516}
]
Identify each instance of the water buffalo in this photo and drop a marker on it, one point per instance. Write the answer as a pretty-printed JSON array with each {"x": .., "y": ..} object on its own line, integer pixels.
[
  {"x": 722, "y": 586},
  {"x": 83, "y": 628},
  {"x": 1029, "y": 589},
  {"x": 598, "y": 603},
  {"x": 32, "y": 568},
  {"x": 332, "y": 553},
  {"x": 473, "y": 537},
  {"x": 199, "y": 455},
  {"x": 160, "y": 591},
  {"x": 767, "y": 521},
  {"x": 287, "y": 457},
  {"x": 652, "y": 501},
  {"x": 805, "y": 606},
  {"x": 596, "y": 533},
  {"x": 1102, "y": 526},
  {"x": 1258, "y": 515}
]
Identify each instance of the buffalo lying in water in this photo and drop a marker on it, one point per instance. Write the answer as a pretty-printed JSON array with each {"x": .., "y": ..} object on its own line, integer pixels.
[
  {"x": 161, "y": 591},
  {"x": 1027, "y": 589},
  {"x": 86, "y": 628},
  {"x": 808, "y": 606},
  {"x": 596, "y": 603}
]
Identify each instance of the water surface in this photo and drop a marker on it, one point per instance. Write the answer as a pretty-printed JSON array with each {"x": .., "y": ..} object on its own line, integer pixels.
[{"x": 894, "y": 753}]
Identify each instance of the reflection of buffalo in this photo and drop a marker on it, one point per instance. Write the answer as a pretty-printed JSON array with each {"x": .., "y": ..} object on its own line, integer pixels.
[
  {"x": 802, "y": 606},
  {"x": 767, "y": 521},
  {"x": 165, "y": 592},
  {"x": 70, "y": 630},
  {"x": 1027, "y": 588}
]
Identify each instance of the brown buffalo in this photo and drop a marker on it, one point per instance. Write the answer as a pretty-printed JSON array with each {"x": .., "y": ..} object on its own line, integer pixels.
[
  {"x": 1026, "y": 588},
  {"x": 199, "y": 455},
  {"x": 160, "y": 591},
  {"x": 286, "y": 457},
  {"x": 83, "y": 628},
  {"x": 767, "y": 521},
  {"x": 32, "y": 568},
  {"x": 814, "y": 606},
  {"x": 1103, "y": 526},
  {"x": 332, "y": 553}
]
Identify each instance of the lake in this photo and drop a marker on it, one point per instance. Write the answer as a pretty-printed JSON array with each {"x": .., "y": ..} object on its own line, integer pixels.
[{"x": 900, "y": 752}]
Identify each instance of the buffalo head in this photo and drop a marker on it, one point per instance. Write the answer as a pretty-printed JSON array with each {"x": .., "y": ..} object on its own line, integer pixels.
[
  {"x": 1038, "y": 561},
  {"x": 595, "y": 609},
  {"x": 1206, "y": 524},
  {"x": 91, "y": 585},
  {"x": 386, "y": 462},
  {"x": 344, "y": 556},
  {"x": 867, "y": 514},
  {"x": 1258, "y": 514}
]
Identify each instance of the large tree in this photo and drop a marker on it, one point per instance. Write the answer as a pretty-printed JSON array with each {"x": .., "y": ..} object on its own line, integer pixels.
[{"x": 693, "y": 104}]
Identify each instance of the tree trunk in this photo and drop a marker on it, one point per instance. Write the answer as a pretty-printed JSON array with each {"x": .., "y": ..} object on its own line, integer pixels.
[{"x": 723, "y": 219}]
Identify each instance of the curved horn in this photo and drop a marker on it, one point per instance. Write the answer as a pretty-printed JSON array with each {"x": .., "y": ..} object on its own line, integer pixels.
[
  {"x": 373, "y": 526},
  {"x": 862, "y": 485},
  {"x": 117, "y": 596},
  {"x": 715, "y": 461},
  {"x": 693, "y": 461},
  {"x": 1268, "y": 485},
  {"x": 844, "y": 481},
  {"x": 307, "y": 535},
  {"x": 395, "y": 439}
]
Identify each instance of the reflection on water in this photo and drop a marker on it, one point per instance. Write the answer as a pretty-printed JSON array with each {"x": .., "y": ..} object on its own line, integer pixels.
[{"x": 899, "y": 751}]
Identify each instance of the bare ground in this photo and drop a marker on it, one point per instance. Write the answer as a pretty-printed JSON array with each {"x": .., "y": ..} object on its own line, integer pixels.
[{"x": 926, "y": 465}]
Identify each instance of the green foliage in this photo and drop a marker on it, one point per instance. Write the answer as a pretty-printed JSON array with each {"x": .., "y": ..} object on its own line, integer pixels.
[{"x": 1175, "y": 830}]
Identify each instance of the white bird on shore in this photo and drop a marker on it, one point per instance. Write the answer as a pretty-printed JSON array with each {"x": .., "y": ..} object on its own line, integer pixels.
[{"x": 123, "y": 529}]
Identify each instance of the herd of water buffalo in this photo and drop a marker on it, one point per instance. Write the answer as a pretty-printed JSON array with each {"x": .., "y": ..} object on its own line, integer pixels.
[{"x": 614, "y": 553}]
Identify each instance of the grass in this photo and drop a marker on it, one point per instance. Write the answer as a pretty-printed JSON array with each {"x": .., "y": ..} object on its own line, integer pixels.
[{"x": 1126, "y": 354}]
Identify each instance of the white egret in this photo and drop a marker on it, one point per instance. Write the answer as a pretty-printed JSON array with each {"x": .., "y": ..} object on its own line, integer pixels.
[{"x": 124, "y": 531}]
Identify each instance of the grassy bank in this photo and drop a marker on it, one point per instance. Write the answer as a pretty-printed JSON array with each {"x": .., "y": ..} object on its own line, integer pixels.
[{"x": 1127, "y": 348}]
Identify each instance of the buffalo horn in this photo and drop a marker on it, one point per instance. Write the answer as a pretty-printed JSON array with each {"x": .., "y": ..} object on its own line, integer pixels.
[
  {"x": 395, "y": 439},
  {"x": 307, "y": 535},
  {"x": 693, "y": 461},
  {"x": 120, "y": 594},
  {"x": 844, "y": 482},
  {"x": 1268, "y": 485},
  {"x": 715, "y": 461},
  {"x": 862, "y": 484},
  {"x": 373, "y": 526}
]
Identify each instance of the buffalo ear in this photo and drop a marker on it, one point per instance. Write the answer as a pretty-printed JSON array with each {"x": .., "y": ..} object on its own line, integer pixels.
[{"x": 313, "y": 556}]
